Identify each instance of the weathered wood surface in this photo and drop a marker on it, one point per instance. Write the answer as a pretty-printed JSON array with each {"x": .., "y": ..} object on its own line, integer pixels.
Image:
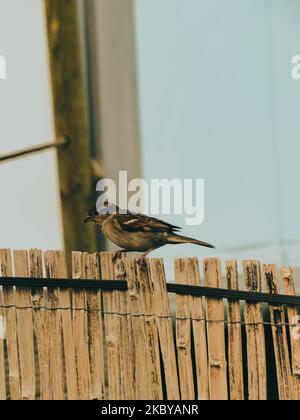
[
  {"x": 94, "y": 330},
  {"x": 54, "y": 332},
  {"x": 165, "y": 328},
  {"x": 80, "y": 325},
  {"x": 58, "y": 269},
  {"x": 112, "y": 322},
  {"x": 256, "y": 349},
  {"x": 126, "y": 333},
  {"x": 3, "y": 394},
  {"x": 11, "y": 327},
  {"x": 294, "y": 321},
  {"x": 2, "y": 354},
  {"x": 147, "y": 383},
  {"x": 70, "y": 119},
  {"x": 284, "y": 376},
  {"x": 235, "y": 348},
  {"x": 192, "y": 277},
  {"x": 183, "y": 336},
  {"x": 25, "y": 329},
  {"x": 216, "y": 334},
  {"x": 151, "y": 331},
  {"x": 41, "y": 324},
  {"x": 92, "y": 344}
]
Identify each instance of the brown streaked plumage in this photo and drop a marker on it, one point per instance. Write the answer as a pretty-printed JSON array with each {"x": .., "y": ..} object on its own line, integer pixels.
[{"x": 137, "y": 232}]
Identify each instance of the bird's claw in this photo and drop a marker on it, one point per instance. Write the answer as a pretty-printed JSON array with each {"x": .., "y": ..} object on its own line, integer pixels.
[
  {"x": 142, "y": 262},
  {"x": 117, "y": 256}
]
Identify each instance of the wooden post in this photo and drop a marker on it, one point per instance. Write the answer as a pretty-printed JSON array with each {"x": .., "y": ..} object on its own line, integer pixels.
[{"x": 70, "y": 119}]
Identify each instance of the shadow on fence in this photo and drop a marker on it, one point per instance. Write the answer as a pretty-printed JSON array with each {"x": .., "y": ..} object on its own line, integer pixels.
[{"x": 97, "y": 342}]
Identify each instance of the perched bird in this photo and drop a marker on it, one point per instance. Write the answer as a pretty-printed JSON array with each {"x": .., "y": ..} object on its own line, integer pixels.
[{"x": 135, "y": 232}]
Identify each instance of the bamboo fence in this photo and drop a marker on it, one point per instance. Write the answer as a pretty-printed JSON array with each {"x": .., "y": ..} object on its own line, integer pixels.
[{"x": 92, "y": 344}]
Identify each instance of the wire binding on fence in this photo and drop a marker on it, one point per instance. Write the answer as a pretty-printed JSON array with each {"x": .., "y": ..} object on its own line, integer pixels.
[{"x": 143, "y": 315}]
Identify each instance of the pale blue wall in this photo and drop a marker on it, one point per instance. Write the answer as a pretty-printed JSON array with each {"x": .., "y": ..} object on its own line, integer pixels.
[{"x": 217, "y": 101}]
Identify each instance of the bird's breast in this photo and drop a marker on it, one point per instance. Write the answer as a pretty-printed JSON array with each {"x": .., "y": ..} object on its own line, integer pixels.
[{"x": 132, "y": 241}]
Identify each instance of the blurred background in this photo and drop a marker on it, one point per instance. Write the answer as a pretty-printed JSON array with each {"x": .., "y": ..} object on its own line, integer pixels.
[{"x": 162, "y": 89}]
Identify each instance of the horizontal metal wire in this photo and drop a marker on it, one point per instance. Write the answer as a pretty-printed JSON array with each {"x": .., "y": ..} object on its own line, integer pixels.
[
  {"x": 142, "y": 315},
  {"x": 59, "y": 142},
  {"x": 121, "y": 285}
]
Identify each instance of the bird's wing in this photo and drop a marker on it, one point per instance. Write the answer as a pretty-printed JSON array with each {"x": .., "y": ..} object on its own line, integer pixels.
[{"x": 141, "y": 223}]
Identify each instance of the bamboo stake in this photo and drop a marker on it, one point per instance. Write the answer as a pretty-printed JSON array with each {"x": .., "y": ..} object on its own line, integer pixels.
[
  {"x": 256, "y": 349},
  {"x": 111, "y": 304},
  {"x": 152, "y": 344},
  {"x": 54, "y": 324},
  {"x": 59, "y": 270},
  {"x": 293, "y": 318},
  {"x": 2, "y": 353},
  {"x": 25, "y": 328},
  {"x": 94, "y": 329},
  {"x": 126, "y": 333},
  {"x": 216, "y": 333},
  {"x": 165, "y": 328},
  {"x": 11, "y": 325},
  {"x": 190, "y": 271},
  {"x": 41, "y": 324},
  {"x": 283, "y": 367},
  {"x": 80, "y": 326},
  {"x": 147, "y": 383},
  {"x": 141, "y": 382},
  {"x": 235, "y": 349},
  {"x": 183, "y": 337}
]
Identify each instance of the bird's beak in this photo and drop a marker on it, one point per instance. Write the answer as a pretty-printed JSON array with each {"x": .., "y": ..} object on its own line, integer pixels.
[{"x": 87, "y": 219}]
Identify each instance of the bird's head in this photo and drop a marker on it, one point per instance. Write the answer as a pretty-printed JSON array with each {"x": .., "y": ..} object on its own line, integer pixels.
[{"x": 98, "y": 214}]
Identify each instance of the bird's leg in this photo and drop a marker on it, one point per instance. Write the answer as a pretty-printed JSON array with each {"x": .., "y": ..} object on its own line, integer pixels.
[
  {"x": 142, "y": 259},
  {"x": 118, "y": 255}
]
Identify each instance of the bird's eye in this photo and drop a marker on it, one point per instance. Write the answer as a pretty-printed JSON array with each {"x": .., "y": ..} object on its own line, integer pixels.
[{"x": 106, "y": 209}]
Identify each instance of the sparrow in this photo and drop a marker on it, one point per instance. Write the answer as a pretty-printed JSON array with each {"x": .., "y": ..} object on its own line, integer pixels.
[{"x": 135, "y": 232}]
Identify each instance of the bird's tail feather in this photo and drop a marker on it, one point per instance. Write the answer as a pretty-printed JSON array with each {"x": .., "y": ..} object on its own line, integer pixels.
[{"x": 178, "y": 239}]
